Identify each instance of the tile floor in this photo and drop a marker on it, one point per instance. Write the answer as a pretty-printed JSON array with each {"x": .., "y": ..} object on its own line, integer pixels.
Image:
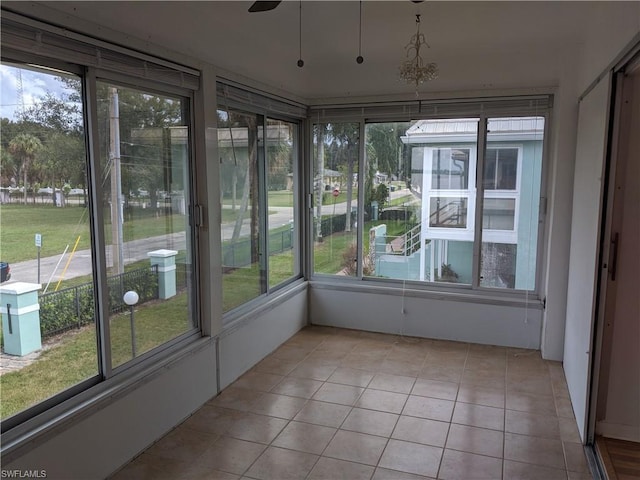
[{"x": 341, "y": 404}]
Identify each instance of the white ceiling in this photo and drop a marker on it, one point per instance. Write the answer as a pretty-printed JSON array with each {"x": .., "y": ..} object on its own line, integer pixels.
[{"x": 477, "y": 44}]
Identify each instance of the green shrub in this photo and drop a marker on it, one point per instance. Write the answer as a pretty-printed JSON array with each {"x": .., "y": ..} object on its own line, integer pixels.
[{"x": 74, "y": 307}]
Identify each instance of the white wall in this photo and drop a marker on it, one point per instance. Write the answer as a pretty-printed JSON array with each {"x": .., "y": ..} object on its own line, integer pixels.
[
  {"x": 607, "y": 35},
  {"x": 97, "y": 444},
  {"x": 561, "y": 155},
  {"x": 381, "y": 310},
  {"x": 583, "y": 258},
  {"x": 252, "y": 337}
]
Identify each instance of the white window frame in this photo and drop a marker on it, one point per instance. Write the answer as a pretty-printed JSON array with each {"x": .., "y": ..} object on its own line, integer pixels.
[{"x": 444, "y": 233}]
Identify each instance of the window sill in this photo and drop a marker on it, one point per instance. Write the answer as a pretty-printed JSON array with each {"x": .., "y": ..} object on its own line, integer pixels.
[
  {"x": 40, "y": 428},
  {"x": 453, "y": 294}
]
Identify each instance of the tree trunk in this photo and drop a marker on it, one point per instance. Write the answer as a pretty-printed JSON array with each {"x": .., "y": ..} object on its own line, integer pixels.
[
  {"x": 244, "y": 203},
  {"x": 24, "y": 181},
  {"x": 319, "y": 180},
  {"x": 234, "y": 187},
  {"x": 248, "y": 181},
  {"x": 255, "y": 213},
  {"x": 349, "y": 191}
]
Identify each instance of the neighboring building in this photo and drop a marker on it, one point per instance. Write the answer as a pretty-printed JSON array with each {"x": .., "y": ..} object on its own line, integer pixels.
[{"x": 444, "y": 162}]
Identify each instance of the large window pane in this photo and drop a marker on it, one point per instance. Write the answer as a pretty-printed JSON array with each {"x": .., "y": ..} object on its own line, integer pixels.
[
  {"x": 422, "y": 173},
  {"x": 45, "y": 238},
  {"x": 281, "y": 158},
  {"x": 239, "y": 137},
  {"x": 335, "y": 195},
  {"x": 511, "y": 181},
  {"x": 144, "y": 152}
]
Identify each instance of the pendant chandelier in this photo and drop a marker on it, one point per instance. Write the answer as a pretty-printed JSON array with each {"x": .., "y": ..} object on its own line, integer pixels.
[{"x": 414, "y": 70}]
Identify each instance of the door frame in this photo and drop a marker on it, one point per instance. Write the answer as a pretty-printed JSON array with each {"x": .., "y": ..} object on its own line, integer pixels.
[{"x": 630, "y": 60}]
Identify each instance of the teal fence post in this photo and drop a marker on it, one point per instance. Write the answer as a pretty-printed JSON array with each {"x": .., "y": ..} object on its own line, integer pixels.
[
  {"x": 20, "y": 311},
  {"x": 166, "y": 262}
]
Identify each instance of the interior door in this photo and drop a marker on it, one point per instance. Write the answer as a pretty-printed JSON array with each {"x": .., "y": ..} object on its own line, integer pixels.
[{"x": 593, "y": 121}]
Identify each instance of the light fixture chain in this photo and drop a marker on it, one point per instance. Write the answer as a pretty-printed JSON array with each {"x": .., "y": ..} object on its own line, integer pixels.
[
  {"x": 360, "y": 58},
  {"x": 300, "y": 61}
]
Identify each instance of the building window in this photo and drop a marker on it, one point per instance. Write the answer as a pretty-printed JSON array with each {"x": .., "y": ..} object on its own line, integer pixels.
[
  {"x": 447, "y": 190},
  {"x": 501, "y": 168},
  {"x": 499, "y": 214},
  {"x": 450, "y": 169}
]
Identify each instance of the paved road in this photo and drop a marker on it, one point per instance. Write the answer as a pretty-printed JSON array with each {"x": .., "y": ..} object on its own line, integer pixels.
[
  {"x": 81, "y": 264},
  {"x": 137, "y": 250}
]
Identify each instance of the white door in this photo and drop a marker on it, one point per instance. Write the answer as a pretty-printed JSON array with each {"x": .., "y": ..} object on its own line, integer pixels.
[{"x": 593, "y": 121}]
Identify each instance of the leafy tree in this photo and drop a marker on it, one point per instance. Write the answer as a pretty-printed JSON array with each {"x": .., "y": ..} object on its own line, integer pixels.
[
  {"x": 345, "y": 144},
  {"x": 381, "y": 194},
  {"x": 385, "y": 140},
  {"x": 57, "y": 121},
  {"x": 24, "y": 147},
  {"x": 63, "y": 160},
  {"x": 57, "y": 112},
  {"x": 145, "y": 123}
]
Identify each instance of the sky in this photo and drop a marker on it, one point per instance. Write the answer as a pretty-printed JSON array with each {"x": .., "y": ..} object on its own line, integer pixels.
[{"x": 35, "y": 85}]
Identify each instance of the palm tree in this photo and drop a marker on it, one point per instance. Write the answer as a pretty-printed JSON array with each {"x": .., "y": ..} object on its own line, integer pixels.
[{"x": 24, "y": 148}]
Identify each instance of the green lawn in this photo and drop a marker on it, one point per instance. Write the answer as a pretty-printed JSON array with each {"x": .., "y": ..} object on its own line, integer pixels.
[
  {"x": 280, "y": 198},
  {"x": 404, "y": 200},
  {"x": 62, "y": 226},
  {"x": 243, "y": 284},
  {"x": 75, "y": 359},
  {"x": 275, "y": 198}
]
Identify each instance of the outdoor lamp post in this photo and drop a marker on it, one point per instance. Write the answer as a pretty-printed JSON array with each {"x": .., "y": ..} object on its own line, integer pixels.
[{"x": 131, "y": 298}]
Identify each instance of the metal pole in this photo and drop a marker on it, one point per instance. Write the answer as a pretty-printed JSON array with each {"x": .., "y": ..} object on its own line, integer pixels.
[
  {"x": 116, "y": 182},
  {"x": 133, "y": 332},
  {"x": 38, "y": 264}
]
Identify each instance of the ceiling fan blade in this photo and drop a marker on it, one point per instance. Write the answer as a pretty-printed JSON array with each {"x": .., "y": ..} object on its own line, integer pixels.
[{"x": 263, "y": 6}]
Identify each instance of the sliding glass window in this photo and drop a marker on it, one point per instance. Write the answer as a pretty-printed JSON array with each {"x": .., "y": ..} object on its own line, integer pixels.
[
  {"x": 144, "y": 161},
  {"x": 282, "y": 157},
  {"x": 421, "y": 225},
  {"x": 259, "y": 231},
  {"x": 73, "y": 313},
  {"x": 335, "y": 154},
  {"x": 425, "y": 180},
  {"x": 47, "y": 300}
]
